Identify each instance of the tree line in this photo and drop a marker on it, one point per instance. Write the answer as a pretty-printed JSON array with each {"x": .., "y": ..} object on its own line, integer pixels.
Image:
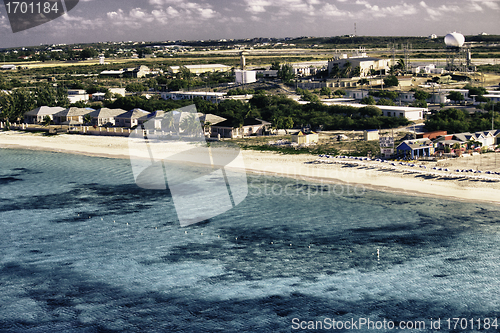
[
  {"x": 284, "y": 112},
  {"x": 14, "y": 104},
  {"x": 458, "y": 121},
  {"x": 280, "y": 110}
]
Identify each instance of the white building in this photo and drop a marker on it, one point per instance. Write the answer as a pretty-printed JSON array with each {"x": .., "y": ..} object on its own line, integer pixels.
[
  {"x": 8, "y": 67},
  {"x": 356, "y": 94},
  {"x": 493, "y": 97},
  {"x": 77, "y": 95},
  {"x": 118, "y": 91},
  {"x": 199, "y": 69},
  {"x": 365, "y": 63},
  {"x": 244, "y": 76},
  {"x": 427, "y": 69},
  {"x": 464, "y": 92},
  {"x": 303, "y": 70},
  {"x": 269, "y": 73},
  {"x": 213, "y": 97},
  {"x": 410, "y": 113}
]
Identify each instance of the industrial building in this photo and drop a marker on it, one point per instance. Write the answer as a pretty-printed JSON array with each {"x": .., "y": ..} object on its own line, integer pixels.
[
  {"x": 244, "y": 76},
  {"x": 366, "y": 64},
  {"x": 204, "y": 68}
]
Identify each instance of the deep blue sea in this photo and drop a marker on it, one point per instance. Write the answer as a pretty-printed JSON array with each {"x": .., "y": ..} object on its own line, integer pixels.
[{"x": 83, "y": 249}]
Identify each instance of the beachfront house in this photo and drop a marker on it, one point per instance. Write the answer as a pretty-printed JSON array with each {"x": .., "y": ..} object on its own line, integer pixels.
[
  {"x": 251, "y": 126},
  {"x": 38, "y": 115},
  {"x": 71, "y": 116},
  {"x": 154, "y": 119},
  {"x": 474, "y": 141},
  {"x": 415, "y": 149},
  {"x": 131, "y": 118},
  {"x": 208, "y": 120},
  {"x": 105, "y": 116}
]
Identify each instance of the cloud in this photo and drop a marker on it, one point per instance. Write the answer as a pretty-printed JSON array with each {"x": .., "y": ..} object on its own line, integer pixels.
[
  {"x": 284, "y": 7},
  {"x": 330, "y": 10},
  {"x": 488, "y": 3},
  {"x": 375, "y": 11},
  {"x": 258, "y": 6},
  {"x": 165, "y": 12},
  {"x": 139, "y": 14}
]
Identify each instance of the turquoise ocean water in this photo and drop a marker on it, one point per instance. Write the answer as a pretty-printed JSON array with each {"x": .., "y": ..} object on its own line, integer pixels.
[{"x": 83, "y": 249}]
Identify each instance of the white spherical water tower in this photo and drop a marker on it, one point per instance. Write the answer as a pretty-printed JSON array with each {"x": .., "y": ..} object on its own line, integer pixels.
[
  {"x": 459, "y": 57},
  {"x": 454, "y": 39}
]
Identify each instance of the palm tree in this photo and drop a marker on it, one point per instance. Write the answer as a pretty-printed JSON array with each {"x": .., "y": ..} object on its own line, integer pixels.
[
  {"x": 168, "y": 123},
  {"x": 401, "y": 65},
  {"x": 47, "y": 121},
  {"x": 335, "y": 71},
  {"x": 346, "y": 72},
  {"x": 87, "y": 119},
  {"x": 191, "y": 125}
]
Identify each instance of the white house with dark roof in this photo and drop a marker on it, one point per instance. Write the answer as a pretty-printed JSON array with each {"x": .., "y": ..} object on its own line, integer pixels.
[{"x": 251, "y": 126}]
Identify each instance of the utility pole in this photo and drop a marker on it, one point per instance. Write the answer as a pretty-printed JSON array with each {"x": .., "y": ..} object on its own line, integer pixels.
[{"x": 493, "y": 120}]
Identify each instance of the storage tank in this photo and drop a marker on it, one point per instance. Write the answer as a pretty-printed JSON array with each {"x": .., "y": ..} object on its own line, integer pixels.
[{"x": 454, "y": 39}]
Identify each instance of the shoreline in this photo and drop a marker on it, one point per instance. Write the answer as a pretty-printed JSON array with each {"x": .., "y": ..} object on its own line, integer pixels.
[{"x": 297, "y": 167}]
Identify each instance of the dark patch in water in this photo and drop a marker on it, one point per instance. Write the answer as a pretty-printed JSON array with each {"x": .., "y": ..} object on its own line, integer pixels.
[
  {"x": 107, "y": 200},
  {"x": 8, "y": 180}
]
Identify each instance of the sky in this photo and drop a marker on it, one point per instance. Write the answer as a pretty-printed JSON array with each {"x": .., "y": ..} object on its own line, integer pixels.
[{"x": 161, "y": 20}]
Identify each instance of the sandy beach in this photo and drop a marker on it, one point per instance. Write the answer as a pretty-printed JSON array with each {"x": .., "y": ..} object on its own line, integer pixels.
[{"x": 362, "y": 174}]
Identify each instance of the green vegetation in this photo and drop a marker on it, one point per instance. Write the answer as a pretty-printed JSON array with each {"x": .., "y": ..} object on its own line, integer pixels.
[
  {"x": 388, "y": 94},
  {"x": 286, "y": 73},
  {"x": 489, "y": 68},
  {"x": 315, "y": 150},
  {"x": 455, "y": 96},
  {"x": 135, "y": 87},
  {"x": 458, "y": 121},
  {"x": 391, "y": 81},
  {"x": 14, "y": 105},
  {"x": 240, "y": 91},
  {"x": 326, "y": 145}
]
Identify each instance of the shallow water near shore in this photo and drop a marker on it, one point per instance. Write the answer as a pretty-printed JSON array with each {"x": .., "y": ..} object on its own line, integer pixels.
[{"x": 83, "y": 249}]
